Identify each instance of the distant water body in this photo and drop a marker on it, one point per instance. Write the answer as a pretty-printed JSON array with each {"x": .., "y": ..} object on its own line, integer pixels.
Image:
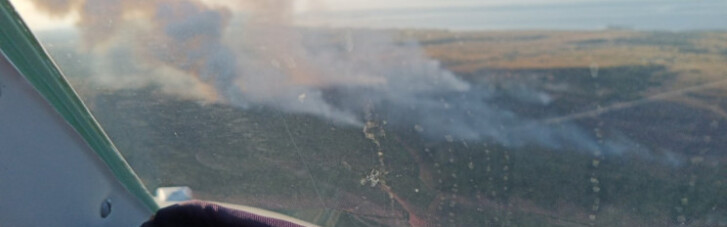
[{"x": 668, "y": 15}]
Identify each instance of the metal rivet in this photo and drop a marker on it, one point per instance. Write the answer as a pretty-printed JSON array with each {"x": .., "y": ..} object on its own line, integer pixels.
[{"x": 105, "y": 208}]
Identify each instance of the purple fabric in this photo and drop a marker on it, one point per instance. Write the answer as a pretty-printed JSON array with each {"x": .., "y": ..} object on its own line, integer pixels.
[{"x": 200, "y": 213}]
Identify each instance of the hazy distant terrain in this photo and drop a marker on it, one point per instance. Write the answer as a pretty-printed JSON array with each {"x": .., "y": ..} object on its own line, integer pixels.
[
  {"x": 652, "y": 103},
  {"x": 669, "y": 15}
]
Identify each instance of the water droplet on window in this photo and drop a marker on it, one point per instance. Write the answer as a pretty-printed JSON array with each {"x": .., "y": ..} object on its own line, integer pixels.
[
  {"x": 714, "y": 124},
  {"x": 418, "y": 128},
  {"x": 449, "y": 138},
  {"x": 696, "y": 160},
  {"x": 596, "y": 162},
  {"x": 681, "y": 219},
  {"x": 594, "y": 180},
  {"x": 594, "y": 70},
  {"x": 275, "y": 63}
]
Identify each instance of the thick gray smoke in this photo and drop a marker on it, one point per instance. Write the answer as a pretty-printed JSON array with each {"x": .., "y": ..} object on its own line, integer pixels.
[{"x": 253, "y": 55}]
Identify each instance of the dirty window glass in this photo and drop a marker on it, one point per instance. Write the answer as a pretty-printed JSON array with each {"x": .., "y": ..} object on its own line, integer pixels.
[{"x": 412, "y": 113}]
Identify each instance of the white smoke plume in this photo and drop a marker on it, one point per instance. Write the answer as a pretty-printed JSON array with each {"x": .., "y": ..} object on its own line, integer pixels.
[{"x": 249, "y": 52}]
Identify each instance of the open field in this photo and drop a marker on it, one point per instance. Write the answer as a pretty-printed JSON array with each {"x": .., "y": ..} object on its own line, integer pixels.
[{"x": 664, "y": 93}]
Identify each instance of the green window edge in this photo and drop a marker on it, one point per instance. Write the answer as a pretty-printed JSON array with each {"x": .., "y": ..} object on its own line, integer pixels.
[{"x": 21, "y": 47}]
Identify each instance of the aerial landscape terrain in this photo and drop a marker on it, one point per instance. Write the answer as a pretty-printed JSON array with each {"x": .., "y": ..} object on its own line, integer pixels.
[{"x": 612, "y": 127}]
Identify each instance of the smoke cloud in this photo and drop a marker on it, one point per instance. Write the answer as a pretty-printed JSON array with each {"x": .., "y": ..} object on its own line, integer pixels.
[{"x": 247, "y": 53}]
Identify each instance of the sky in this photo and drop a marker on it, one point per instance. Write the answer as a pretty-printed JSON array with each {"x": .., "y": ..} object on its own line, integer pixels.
[
  {"x": 475, "y": 14},
  {"x": 672, "y": 15}
]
